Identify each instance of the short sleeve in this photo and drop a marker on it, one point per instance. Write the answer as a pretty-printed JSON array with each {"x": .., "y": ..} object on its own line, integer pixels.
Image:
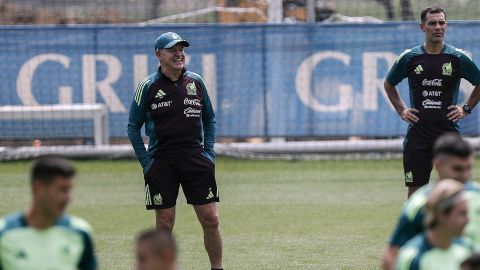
[
  {"x": 399, "y": 70},
  {"x": 408, "y": 259},
  {"x": 469, "y": 69},
  {"x": 411, "y": 218},
  {"x": 407, "y": 228},
  {"x": 88, "y": 260}
]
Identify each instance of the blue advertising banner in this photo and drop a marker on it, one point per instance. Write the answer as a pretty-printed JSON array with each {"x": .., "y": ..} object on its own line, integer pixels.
[{"x": 304, "y": 80}]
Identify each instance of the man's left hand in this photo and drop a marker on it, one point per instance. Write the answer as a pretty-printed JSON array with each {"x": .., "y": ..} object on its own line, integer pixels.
[{"x": 456, "y": 113}]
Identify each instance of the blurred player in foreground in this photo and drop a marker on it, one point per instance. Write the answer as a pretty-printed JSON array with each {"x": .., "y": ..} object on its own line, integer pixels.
[
  {"x": 43, "y": 237},
  {"x": 453, "y": 158},
  {"x": 439, "y": 247},
  {"x": 434, "y": 70},
  {"x": 174, "y": 105},
  {"x": 156, "y": 250},
  {"x": 472, "y": 263}
]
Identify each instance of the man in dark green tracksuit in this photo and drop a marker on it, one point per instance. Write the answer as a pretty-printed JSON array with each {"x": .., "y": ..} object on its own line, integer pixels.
[{"x": 175, "y": 108}]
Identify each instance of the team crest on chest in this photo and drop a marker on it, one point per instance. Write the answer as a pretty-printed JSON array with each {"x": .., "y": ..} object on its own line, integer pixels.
[
  {"x": 447, "y": 69},
  {"x": 191, "y": 89}
]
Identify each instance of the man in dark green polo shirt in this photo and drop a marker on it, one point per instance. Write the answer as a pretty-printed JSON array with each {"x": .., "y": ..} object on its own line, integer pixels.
[{"x": 434, "y": 70}]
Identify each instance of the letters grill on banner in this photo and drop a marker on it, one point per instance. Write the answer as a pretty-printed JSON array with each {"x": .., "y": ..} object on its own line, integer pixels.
[{"x": 263, "y": 80}]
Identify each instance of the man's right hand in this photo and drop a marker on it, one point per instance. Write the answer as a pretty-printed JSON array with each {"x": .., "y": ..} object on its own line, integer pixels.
[
  {"x": 147, "y": 166},
  {"x": 409, "y": 116}
]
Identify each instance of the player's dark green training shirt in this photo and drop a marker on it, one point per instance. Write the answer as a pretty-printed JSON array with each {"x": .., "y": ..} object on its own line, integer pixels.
[
  {"x": 65, "y": 246},
  {"x": 419, "y": 254},
  {"x": 411, "y": 218},
  {"x": 433, "y": 81},
  {"x": 178, "y": 117}
]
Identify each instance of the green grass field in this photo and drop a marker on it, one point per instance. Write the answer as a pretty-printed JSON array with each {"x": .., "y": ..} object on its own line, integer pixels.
[{"x": 274, "y": 214}]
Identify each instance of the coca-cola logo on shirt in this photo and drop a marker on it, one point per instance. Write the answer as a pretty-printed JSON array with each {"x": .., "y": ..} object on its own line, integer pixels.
[
  {"x": 193, "y": 102},
  {"x": 434, "y": 82}
]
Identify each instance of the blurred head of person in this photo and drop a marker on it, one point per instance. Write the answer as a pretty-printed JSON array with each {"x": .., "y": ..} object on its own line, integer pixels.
[
  {"x": 155, "y": 250},
  {"x": 472, "y": 263},
  {"x": 52, "y": 182},
  {"x": 447, "y": 208},
  {"x": 453, "y": 157}
]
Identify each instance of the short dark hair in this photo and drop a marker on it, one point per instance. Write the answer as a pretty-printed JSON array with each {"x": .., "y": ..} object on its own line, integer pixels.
[
  {"x": 160, "y": 241},
  {"x": 431, "y": 9},
  {"x": 472, "y": 263},
  {"x": 46, "y": 168},
  {"x": 452, "y": 144}
]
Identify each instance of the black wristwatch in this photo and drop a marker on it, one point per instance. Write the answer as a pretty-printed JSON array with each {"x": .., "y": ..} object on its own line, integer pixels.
[{"x": 466, "y": 108}]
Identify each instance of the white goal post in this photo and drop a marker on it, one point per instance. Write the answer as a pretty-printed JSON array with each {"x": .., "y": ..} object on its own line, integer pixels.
[{"x": 96, "y": 112}]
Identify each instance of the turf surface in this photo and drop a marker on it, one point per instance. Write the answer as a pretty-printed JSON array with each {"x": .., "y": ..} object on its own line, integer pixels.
[{"x": 274, "y": 214}]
